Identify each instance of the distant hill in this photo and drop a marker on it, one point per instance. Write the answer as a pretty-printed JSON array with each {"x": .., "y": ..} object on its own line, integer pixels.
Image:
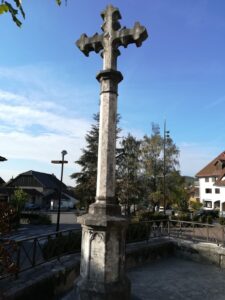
[{"x": 189, "y": 180}]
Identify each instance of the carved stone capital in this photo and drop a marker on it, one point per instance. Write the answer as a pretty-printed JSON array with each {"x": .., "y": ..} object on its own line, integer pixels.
[
  {"x": 105, "y": 208},
  {"x": 115, "y": 76}
]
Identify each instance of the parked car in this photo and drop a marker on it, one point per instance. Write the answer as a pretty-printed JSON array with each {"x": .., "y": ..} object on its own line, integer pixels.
[
  {"x": 32, "y": 206},
  {"x": 212, "y": 213}
]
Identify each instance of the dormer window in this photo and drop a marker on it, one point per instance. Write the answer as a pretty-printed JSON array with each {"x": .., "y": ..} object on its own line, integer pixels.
[{"x": 220, "y": 164}]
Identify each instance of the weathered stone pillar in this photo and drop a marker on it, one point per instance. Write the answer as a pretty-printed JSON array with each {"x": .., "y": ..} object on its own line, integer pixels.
[{"x": 102, "y": 275}]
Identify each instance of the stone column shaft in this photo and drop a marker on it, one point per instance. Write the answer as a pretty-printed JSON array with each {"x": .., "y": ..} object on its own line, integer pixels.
[
  {"x": 107, "y": 136},
  {"x": 106, "y": 150}
]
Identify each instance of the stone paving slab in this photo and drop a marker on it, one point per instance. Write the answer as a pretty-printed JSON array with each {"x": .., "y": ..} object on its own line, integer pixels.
[
  {"x": 178, "y": 279},
  {"x": 174, "y": 278}
]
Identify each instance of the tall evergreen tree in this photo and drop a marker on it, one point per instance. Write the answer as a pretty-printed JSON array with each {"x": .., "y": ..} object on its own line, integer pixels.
[
  {"x": 86, "y": 178},
  {"x": 128, "y": 191}
]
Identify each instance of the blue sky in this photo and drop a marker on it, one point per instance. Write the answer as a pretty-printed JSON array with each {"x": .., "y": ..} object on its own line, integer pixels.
[{"x": 48, "y": 90}]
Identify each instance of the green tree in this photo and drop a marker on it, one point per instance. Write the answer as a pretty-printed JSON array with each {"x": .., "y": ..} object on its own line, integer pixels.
[
  {"x": 128, "y": 188},
  {"x": 15, "y": 8},
  {"x": 86, "y": 178},
  {"x": 176, "y": 192},
  {"x": 152, "y": 159},
  {"x": 18, "y": 200}
]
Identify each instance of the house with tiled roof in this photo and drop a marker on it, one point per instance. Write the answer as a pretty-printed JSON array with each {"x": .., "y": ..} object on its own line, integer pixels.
[
  {"x": 212, "y": 184},
  {"x": 42, "y": 189}
]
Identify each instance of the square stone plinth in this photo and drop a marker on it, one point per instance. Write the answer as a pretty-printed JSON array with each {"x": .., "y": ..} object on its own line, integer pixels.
[{"x": 102, "y": 274}]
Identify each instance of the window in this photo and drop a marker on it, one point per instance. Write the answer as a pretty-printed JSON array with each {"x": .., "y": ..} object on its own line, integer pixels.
[
  {"x": 207, "y": 204},
  {"x": 207, "y": 179},
  {"x": 217, "y": 191},
  {"x": 213, "y": 179},
  {"x": 208, "y": 191}
]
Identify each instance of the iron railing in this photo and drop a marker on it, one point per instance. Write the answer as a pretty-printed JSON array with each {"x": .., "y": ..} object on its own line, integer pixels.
[
  {"x": 193, "y": 231},
  {"x": 30, "y": 252},
  {"x": 33, "y": 251},
  {"x": 197, "y": 232}
]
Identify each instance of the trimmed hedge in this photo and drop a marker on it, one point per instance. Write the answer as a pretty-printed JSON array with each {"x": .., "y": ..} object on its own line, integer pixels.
[
  {"x": 149, "y": 216},
  {"x": 36, "y": 218},
  {"x": 63, "y": 244},
  {"x": 222, "y": 221},
  {"x": 138, "y": 232}
]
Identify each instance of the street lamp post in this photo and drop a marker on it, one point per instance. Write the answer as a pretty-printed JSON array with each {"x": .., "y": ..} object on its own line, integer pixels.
[
  {"x": 61, "y": 162},
  {"x": 165, "y": 136}
]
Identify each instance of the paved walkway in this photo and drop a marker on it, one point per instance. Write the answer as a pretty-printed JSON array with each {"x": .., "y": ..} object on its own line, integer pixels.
[{"x": 175, "y": 279}]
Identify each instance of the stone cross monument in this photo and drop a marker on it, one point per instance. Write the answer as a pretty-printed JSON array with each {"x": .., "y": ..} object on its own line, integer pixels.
[{"x": 102, "y": 274}]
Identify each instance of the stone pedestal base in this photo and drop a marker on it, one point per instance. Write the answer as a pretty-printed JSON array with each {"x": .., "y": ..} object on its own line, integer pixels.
[
  {"x": 89, "y": 290},
  {"x": 102, "y": 273}
]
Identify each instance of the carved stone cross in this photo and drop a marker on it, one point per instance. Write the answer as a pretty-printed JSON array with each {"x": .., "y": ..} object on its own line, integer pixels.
[
  {"x": 111, "y": 38},
  {"x": 103, "y": 228}
]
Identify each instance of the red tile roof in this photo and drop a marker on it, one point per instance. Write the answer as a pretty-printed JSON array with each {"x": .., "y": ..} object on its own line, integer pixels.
[{"x": 216, "y": 168}]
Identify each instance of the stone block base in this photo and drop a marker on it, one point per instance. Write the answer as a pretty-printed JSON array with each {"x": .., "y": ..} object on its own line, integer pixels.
[{"x": 92, "y": 290}]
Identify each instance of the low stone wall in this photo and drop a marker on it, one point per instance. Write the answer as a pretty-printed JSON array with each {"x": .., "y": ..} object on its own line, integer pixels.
[
  {"x": 200, "y": 252},
  {"x": 54, "y": 279},
  {"x": 45, "y": 282},
  {"x": 142, "y": 252}
]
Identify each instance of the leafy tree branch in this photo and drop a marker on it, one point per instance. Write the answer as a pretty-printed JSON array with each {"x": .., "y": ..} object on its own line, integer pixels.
[{"x": 15, "y": 9}]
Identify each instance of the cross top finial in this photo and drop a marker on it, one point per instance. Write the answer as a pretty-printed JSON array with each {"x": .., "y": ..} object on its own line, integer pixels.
[
  {"x": 112, "y": 38},
  {"x": 112, "y": 14}
]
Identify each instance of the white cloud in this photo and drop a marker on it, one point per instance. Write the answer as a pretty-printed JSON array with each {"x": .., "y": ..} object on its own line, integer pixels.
[
  {"x": 8, "y": 96},
  {"x": 23, "y": 117},
  {"x": 42, "y": 112},
  {"x": 20, "y": 139},
  {"x": 47, "y": 83}
]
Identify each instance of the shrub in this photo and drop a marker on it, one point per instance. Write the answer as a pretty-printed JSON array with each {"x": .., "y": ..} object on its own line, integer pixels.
[
  {"x": 209, "y": 219},
  {"x": 36, "y": 218},
  {"x": 206, "y": 219},
  {"x": 62, "y": 244},
  {"x": 44, "y": 219},
  {"x": 146, "y": 216},
  {"x": 8, "y": 218},
  {"x": 137, "y": 232},
  {"x": 173, "y": 218},
  {"x": 182, "y": 217},
  {"x": 195, "y": 219},
  {"x": 149, "y": 216},
  {"x": 222, "y": 221}
]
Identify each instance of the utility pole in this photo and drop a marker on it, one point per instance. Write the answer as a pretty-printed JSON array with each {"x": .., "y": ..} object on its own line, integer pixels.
[{"x": 165, "y": 136}]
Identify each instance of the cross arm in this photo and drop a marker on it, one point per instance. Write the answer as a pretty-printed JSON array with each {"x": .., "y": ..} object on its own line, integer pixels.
[
  {"x": 136, "y": 35},
  {"x": 87, "y": 44}
]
